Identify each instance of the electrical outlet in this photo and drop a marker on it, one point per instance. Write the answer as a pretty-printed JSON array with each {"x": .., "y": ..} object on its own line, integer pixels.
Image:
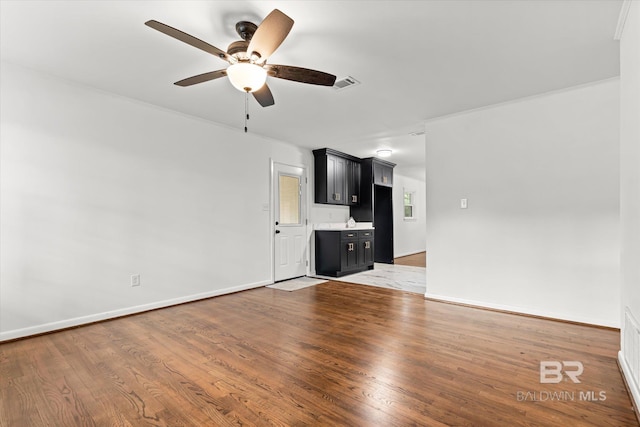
[
  {"x": 463, "y": 203},
  {"x": 135, "y": 280}
]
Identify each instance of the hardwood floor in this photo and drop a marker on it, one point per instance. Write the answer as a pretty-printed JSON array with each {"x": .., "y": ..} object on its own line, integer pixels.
[
  {"x": 415, "y": 260},
  {"x": 335, "y": 354}
]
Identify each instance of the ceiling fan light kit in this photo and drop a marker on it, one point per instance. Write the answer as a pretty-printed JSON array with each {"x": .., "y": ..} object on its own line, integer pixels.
[
  {"x": 384, "y": 153},
  {"x": 246, "y": 77},
  {"x": 248, "y": 69}
]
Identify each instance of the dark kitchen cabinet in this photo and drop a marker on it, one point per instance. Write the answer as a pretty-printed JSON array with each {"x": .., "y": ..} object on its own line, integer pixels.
[
  {"x": 383, "y": 173},
  {"x": 366, "y": 248},
  {"x": 336, "y": 182},
  {"x": 337, "y": 178},
  {"x": 376, "y": 204},
  {"x": 342, "y": 252},
  {"x": 353, "y": 182}
]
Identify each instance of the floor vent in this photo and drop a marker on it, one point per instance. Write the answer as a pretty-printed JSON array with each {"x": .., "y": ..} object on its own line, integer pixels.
[
  {"x": 631, "y": 345},
  {"x": 345, "y": 83}
]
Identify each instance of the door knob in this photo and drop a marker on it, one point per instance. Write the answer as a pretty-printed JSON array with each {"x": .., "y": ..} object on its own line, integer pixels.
[
  {"x": 277, "y": 231},
  {"x": 277, "y": 223}
]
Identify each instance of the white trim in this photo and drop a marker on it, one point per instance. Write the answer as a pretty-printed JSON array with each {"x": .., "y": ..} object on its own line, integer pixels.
[
  {"x": 272, "y": 220},
  {"x": 408, "y": 253},
  {"x": 518, "y": 100},
  {"x": 107, "y": 315},
  {"x": 622, "y": 19},
  {"x": 631, "y": 383},
  {"x": 520, "y": 310},
  {"x": 77, "y": 84}
]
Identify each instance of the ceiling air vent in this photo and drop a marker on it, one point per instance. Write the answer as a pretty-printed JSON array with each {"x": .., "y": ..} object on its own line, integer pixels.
[{"x": 345, "y": 83}]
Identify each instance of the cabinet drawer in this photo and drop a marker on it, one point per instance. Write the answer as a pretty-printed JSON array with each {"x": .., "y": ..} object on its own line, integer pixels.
[
  {"x": 348, "y": 235},
  {"x": 356, "y": 234}
]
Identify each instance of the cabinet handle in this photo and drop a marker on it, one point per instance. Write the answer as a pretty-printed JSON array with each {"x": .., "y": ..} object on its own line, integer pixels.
[
  {"x": 354, "y": 199},
  {"x": 336, "y": 196},
  {"x": 350, "y": 247},
  {"x": 367, "y": 245},
  {"x": 384, "y": 179}
]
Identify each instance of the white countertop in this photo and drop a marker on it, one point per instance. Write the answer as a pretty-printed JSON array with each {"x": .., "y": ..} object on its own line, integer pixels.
[{"x": 343, "y": 226}]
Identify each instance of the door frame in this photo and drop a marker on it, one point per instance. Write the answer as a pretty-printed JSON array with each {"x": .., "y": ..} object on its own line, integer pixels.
[{"x": 272, "y": 214}]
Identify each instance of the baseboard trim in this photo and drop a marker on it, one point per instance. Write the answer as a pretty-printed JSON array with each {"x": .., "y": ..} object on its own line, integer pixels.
[
  {"x": 408, "y": 254},
  {"x": 522, "y": 312},
  {"x": 108, "y": 315},
  {"x": 632, "y": 385}
]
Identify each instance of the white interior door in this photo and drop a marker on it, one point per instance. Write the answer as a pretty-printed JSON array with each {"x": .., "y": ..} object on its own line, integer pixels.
[{"x": 290, "y": 251}]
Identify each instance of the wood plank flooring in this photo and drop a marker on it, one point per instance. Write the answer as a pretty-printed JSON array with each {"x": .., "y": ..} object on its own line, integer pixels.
[
  {"x": 335, "y": 354},
  {"x": 415, "y": 260}
]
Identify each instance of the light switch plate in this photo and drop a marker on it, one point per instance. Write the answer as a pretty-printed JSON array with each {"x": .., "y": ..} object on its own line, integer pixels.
[
  {"x": 463, "y": 203},
  {"x": 135, "y": 280}
]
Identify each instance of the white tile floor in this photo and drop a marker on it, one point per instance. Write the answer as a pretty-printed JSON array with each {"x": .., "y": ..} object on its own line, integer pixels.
[{"x": 401, "y": 277}]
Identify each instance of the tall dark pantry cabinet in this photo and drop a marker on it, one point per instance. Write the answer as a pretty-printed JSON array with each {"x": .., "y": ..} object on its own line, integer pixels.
[{"x": 376, "y": 204}]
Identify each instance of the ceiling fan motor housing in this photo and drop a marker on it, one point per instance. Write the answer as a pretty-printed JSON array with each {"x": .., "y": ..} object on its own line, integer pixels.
[
  {"x": 238, "y": 49},
  {"x": 246, "y": 29}
]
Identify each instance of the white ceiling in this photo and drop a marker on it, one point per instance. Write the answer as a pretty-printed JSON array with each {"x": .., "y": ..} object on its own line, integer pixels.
[{"x": 416, "y": 60}]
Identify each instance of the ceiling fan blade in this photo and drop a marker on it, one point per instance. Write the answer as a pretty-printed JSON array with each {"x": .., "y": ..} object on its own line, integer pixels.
[
  {"x": 201, "y": 78},
  {"x": 270, "y": 34},
  {"x": 302, "y": 75},
  {"x": 264, "y": 96},
  {"x": 186, "y": 38}
]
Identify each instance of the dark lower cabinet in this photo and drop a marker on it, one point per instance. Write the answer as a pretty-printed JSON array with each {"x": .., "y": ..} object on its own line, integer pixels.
[
  {"x": 341, "y": 252},
  {"x": 366, "y": 254}
]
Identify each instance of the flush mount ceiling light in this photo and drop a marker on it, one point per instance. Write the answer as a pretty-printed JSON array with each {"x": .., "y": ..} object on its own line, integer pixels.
[{"x": 384, "y": 153}]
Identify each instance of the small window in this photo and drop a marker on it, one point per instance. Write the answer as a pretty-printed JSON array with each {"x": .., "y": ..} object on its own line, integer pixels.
[
  {"x": 409, "y": 205},
  {"x": 289, "y": 191}
]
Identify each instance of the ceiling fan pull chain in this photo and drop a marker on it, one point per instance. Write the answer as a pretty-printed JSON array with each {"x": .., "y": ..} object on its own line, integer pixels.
[{"x": 246, "y": 110}]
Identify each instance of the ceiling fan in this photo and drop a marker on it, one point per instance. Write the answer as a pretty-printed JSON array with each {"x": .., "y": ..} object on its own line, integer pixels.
[{"x": 248, "y": 69}]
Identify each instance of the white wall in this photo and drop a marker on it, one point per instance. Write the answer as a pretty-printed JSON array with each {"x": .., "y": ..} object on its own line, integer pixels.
[
  {"x": 630, "y": 194},
  {"x": 408, "y": 235},
  {"x": 540, "y": 234},
  {"x": 95, "y": 188}
]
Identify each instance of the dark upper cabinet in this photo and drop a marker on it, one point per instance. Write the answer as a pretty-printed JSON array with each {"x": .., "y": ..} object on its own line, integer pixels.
[
  {"x": 337, "y": 178},
  {"x": 374, "y": 173},
  {"x": 353, "y": 182},
  {"x": 382, "y": 173}
]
